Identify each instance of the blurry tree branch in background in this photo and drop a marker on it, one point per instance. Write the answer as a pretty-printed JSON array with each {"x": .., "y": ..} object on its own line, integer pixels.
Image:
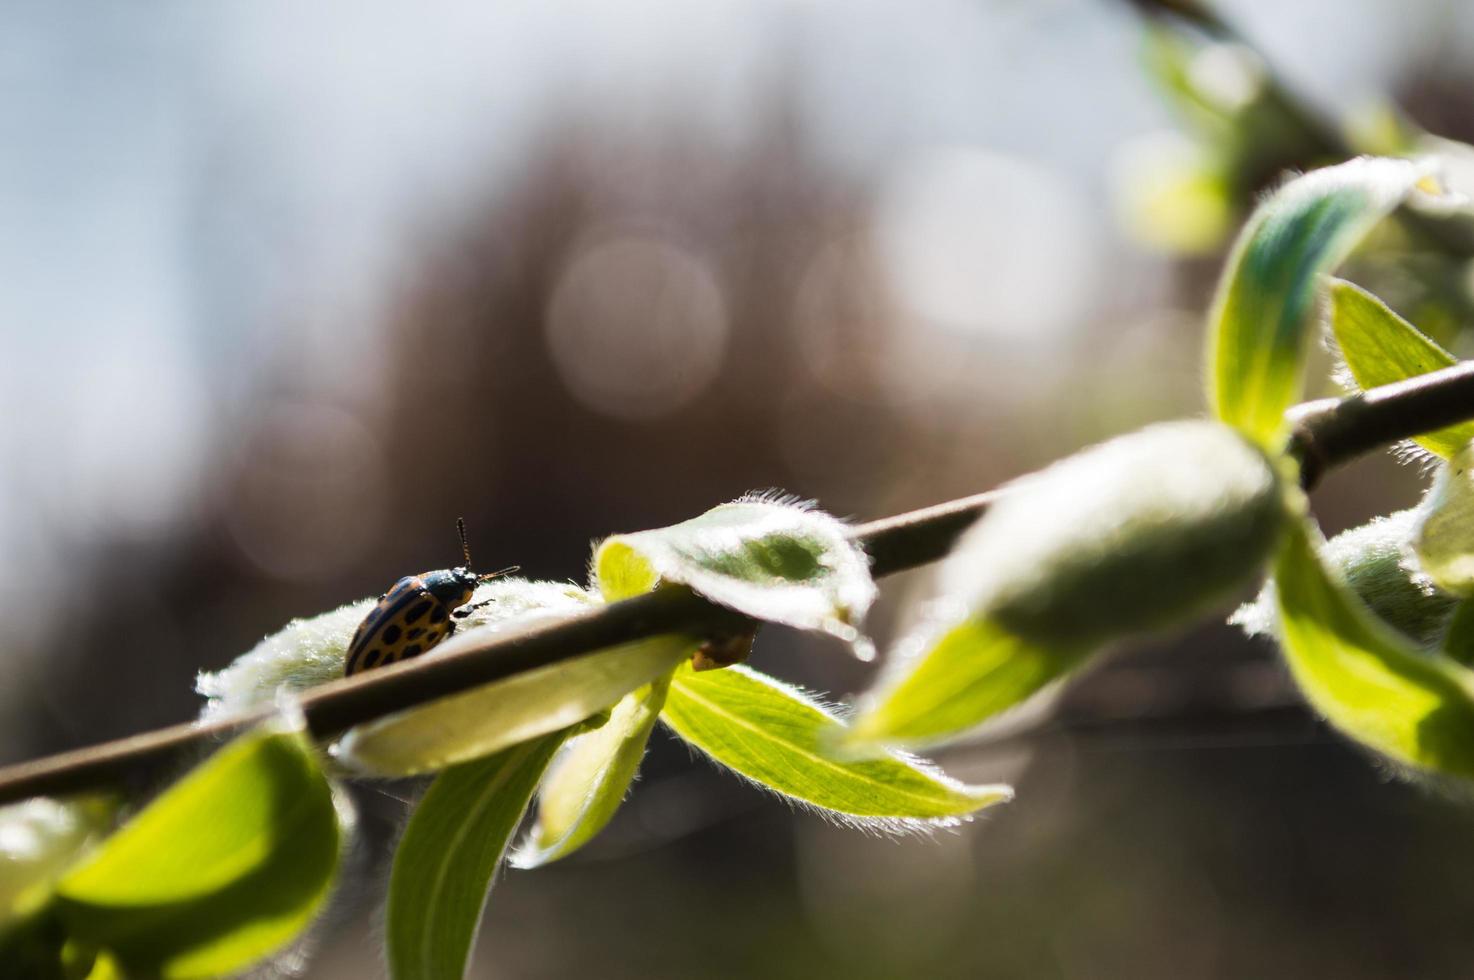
[
  {"x": 1250, "y": 128},
  {"x": 1311, "y": 126}
]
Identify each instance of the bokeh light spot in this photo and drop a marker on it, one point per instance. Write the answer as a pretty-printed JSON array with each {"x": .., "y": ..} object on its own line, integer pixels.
[
  {"x": 987, "y": 244},
  {"x": 637, "y": 327},
  {"x": 308, "y": 494}
]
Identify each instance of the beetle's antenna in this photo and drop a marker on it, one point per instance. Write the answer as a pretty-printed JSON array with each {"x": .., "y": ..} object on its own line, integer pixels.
[
  {"x": 465, "y": 545},
  {"x": 498, "y": 574}
]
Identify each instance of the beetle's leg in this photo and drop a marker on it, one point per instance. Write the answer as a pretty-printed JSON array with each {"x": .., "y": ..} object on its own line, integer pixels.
[{"x": 465, "y": 611}]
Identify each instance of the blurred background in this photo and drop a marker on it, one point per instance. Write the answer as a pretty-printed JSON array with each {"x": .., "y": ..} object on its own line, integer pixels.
[{"x": 288, "y": 288}]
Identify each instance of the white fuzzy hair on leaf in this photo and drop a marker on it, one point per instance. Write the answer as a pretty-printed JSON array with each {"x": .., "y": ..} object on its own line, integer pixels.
[
  {"x": 306, "y": 652},
  {"x": 779, "y": 498},
  {"x": 1373, "y": 558},
  {"x": 312, "y": 650},
  {"x": 503, "y": 602},
  {"x": 767, "y": 554},
  {"x": 877, "y": 826},
  {"x": 1406, "y": 451}
]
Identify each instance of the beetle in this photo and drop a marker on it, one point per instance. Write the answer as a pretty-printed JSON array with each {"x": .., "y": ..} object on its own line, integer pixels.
[{"x": 416, "y": 614}]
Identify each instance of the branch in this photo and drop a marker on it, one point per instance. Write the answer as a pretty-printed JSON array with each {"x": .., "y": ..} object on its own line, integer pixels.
[
  {"x": 1321, "y": 136},
  {"x": 1326, "y": 434},
  {"x": 1334, "y": 431}
]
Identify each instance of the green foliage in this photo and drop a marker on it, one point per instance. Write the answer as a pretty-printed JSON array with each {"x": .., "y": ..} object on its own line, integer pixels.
[
  {"x": 1173, "y": 197},
  {"x": 1444, "y": 537},
  {"x": 38, "y": 840},
  {"x": 1458, "y": 639},
  {"x": 590, "y": 778},
  {"x": 490, "y": 718},
  {"x": 782, "y": 740},
  {"x": 1136, "y": 534},
  {"x": 774, "y": 560},
  {"x": 973, "y": 671},
  {"x": 1380, "y": 348},
  {"x": 1415, "y": 708},
  {"x": 449, "y": 853},
  {"x": 1372, "y": 560},
  {"x": 227, "y": 867},
  {"x": 1229, "y": 100},
  {"x": 1260, "y": 325}
]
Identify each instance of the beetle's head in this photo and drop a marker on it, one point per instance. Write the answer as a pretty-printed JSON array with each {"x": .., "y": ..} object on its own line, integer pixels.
[{"x": 451, "y": 586}]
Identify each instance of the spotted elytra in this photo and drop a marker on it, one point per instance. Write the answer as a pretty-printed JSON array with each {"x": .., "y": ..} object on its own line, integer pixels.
[{"x": 416, "y": 614}]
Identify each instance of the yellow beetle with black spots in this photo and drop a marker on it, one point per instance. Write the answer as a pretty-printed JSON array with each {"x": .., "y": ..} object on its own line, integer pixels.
[{"x": 415, "y": 615}]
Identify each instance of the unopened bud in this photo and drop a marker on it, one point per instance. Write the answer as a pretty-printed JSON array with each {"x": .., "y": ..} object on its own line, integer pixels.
[{"x": 1132, "y": 535}]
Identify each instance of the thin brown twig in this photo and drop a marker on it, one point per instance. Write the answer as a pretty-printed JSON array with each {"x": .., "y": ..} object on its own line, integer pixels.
[
  {"x": 1333, "y": 431},
  {"x": 1325, "y": 434}
]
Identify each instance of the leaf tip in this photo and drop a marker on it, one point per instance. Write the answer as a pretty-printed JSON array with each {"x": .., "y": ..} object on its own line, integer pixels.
[{"x": 528, "y": 855}]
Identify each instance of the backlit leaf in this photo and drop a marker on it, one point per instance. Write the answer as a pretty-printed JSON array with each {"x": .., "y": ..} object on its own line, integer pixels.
[
  {"x": 38, "y": 839},
  {"x": 773, "y": 560},
  {"x": 490, "y": 718},
  {"x": 449, "y": 854},
  {"x": 1443, "y": 538},
  {"x": 1380, "y": 348},
  {"x": 948, "y": 684},
  {"x": 1260, "y": 324},
  {"x": 1415, "y": 708},
  {"x": 1458, "y": 639},
  {"x": 1372, "y": 559},
  {"x": 1137, "y": 534},
  {"x": 590, "y": 778},
  {"x": 223, "y": 869},
  {"x": 781, "y": 739}
]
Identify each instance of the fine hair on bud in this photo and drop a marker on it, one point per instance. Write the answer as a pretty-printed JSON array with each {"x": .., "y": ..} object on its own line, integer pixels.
[
  {"x": 1443, "y": 538},
  {"x": 1132, "y": 535},
  {"x": 1373, "y": 559}
]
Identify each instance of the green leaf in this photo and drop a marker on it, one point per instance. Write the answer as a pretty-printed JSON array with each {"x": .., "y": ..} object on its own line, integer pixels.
[
  {"x": 38, "y": 840},
  {"x": 1458, "y": 639},
  {"x": 771, "y": 559},
  {"x": 972, "y": 672},
  {"x": 1138, "y": 534},
  {"x": 490, "y": 718},
  {"x": 304, "y": 653},
  {"x": 311, "y": 651},
  {"x": 590, "y": 778},
  {"x": 223, "y": 869},
  {"x": 35, "y": 947},
  {"x": 1381, "y": 348},
  {"x": 1371, "y": 558},
  {"x": 1415, "y": 708},
  {"x": 106, "y": 967},
  {"x": 1172, "y": 195},
  {"x": 781, "y": 739},
  {"x": 1262, "y": 315},
  {"x": 449, "y": 853},
  {"x": 1443, "y": 538}
]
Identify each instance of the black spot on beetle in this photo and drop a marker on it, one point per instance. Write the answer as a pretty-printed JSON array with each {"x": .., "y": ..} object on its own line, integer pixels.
[
  {"x": 414, "y": 634},
  {"x": 438, "y": 615},
  {"x": 417, "y": 612},
  {"x": 413, "y": 650},
  {"x": 391, "y": 634},
  {"x": 373, "y": 658}
]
